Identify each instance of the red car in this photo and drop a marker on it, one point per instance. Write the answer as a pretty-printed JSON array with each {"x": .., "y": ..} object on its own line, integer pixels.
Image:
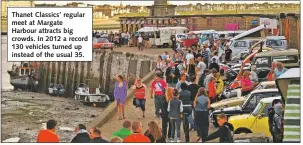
[
  {"x": 191, "y": 41},
  {"x": 102, "y": 43}
]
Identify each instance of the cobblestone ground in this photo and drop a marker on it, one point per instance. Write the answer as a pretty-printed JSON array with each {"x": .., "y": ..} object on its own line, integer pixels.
[{"x": 131, "y": 113}]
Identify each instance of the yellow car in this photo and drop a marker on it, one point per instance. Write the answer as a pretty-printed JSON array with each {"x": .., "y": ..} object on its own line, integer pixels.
[{"x": 256, "y": 122}]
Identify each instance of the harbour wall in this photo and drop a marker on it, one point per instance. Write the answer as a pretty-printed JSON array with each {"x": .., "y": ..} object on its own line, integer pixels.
[{"x": 102, "y": 70}]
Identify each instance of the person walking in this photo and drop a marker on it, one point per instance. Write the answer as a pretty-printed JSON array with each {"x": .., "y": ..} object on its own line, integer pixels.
[
  {"x": 219, "y": 86},
  {"x": 96, "y": 137},
  {"x": 206, "y": 53},
  {"x": 124, "y": 131},
  {"x": 228, "y": 53},
  {"x": 82, "y": 135},
  {"x": 277, "y": 123},
  {"x": 120, "y": 93},
  {"x": 214, "y": 65},
  {"x": 140, "y": 93},
  {"x": 158, "y": 88},
  {"x": 172, "y": 74},
  {"x": 191, "y": 67},
  {"x": 225, "y": 132},
  {"x": 48, "y": 135},
  {"x": 182, "y": 80},
  {"x": 271, "y": 114},
  {"x": 137, "y": 135},
  {"x": 174, "y": 113},
  {"x": 212, "y": 90},
  {"x": 201, "y": 105},
  {"x": 193, "y": 89},
  {"x": 166, "y": 125},
  {"x": 185, "y": 98},
  {"x": 140, "y": 43},
  {"x": 200, "y": 67},
  {"x": 154, "y": 133}
]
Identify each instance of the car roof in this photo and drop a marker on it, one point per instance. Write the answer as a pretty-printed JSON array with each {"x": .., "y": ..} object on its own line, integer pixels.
[
  {"x": 269, "y": 100},
  {"x": 268, "y": 83},
  {"x": 278, "y": 52},
  {"x": 265, "y": 90},
  {"x": 275, "y": 37}
]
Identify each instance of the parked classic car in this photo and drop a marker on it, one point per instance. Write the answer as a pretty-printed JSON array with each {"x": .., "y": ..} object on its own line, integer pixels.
[
  {"x": 56, "y": 90},
  {"x": 231, "y": 93},
  {"x": 249, "y": 103},
  {"x": 256, "y": 121},
  {"x": 102, "y": 43}
]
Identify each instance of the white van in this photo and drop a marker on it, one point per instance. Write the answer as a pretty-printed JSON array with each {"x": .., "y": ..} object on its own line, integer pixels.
[{"x": 163, "y": 36}]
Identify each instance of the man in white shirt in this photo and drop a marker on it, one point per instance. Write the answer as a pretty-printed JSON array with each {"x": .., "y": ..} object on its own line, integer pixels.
[
  {"x": 200, "y": 68},
  {"x": 140, "y": 43},
  {"x": 216, "y": 57},
  {"x": 189, "y": 56}
]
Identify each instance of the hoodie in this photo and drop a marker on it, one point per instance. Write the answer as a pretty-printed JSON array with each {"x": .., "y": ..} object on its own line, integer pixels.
[{"x": 225, "y": 133}]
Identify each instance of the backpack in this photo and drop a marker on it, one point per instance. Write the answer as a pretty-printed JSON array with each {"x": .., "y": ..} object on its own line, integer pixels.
[{"x": 230, "y": 135}]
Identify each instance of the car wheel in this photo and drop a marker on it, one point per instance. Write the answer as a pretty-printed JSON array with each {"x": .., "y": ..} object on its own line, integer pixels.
[
  {"x": 242, "y": 131},
  {"x": 165, "y": 45}
]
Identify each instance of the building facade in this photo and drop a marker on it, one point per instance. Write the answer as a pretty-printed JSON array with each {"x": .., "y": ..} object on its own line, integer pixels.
[{"x": 161, "y": 8}]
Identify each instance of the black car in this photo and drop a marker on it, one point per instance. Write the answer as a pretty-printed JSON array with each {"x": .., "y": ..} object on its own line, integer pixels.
[{"x": 247, "y": 106}]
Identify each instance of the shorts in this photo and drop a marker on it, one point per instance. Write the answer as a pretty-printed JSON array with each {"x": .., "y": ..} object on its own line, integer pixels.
[
  {"x": 120, "y": 101},
  {"x": 140, "y": 103}
]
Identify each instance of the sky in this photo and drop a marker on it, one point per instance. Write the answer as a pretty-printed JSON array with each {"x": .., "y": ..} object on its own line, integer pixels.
[{"x": 148, "y": 3}]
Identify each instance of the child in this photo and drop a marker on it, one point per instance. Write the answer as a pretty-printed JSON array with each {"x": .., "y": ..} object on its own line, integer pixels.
[{"x": 225, "y": 132}]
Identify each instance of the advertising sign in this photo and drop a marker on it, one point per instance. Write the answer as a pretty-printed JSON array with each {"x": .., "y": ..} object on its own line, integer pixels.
[{"x": 270, "y": 23}]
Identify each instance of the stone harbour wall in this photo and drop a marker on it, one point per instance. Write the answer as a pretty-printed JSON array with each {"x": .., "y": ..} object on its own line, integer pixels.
[{"x": 102, "y": 70}]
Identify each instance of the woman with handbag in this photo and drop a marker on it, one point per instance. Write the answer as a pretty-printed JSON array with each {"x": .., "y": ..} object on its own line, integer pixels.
[{"x": 140, "y": 93}]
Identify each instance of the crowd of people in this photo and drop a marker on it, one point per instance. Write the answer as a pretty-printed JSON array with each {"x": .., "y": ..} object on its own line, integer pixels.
[{"x": 186, "y": 83}]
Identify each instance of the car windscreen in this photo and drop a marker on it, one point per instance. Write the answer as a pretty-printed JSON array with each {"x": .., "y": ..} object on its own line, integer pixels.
[
  {"x": 181, "y": 36},
  {"x": 257, "y": 109},
  {"x": 274, "y": 43},
  {"x": 286, "y": 59}
]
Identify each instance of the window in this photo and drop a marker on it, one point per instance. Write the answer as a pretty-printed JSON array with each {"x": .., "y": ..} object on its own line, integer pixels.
[
  {"x": 251, "y": 103},
  {"x": 240, "y": 44},
  {"x": 257, "y": 109},
  {"x": 261, "y": 61},
  {"x": 286, "y": 59},
  {"x": 274, "y": 43}
]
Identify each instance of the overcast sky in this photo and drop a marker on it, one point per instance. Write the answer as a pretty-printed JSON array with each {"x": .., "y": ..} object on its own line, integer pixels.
[{"x": 147, "y": 3}]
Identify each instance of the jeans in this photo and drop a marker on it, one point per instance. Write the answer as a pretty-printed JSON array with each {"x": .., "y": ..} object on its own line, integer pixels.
[
  {"x": 191, "y": 120},
  {"x": 140, "y": 103},
  {"x": 175, "y": 126},
  {"x": 186, "y": 126},
  {"x": 166, "y": 125},
  {"x": 158, "y": 100},
  {"x": 202, "y": 122}
]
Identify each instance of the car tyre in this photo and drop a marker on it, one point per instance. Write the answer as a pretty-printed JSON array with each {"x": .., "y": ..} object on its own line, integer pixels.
[{"x": 165, "y": 45}]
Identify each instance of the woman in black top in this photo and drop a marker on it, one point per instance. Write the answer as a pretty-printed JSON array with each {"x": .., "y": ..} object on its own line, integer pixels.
[
  {"x": 191, "y": 67},
  {"x": 154, "y": 133}
]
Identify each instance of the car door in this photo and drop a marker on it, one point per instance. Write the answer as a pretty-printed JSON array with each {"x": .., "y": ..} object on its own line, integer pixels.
[{"x": 260, "y": 124}]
